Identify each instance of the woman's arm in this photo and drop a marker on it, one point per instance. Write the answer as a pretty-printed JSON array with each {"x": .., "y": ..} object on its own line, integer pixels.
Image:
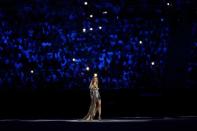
[{"x": 90, "y": 86}]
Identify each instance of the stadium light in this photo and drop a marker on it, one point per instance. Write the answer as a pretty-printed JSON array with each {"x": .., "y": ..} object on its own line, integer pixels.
[
  {"x": 100, "y": 27},
  {"x": 85, "y": 3},
  {"x": 32, "y": 71},
  {"x": 84, "y": 30},
  {"x": 105, "y": 12},
  {"x": 87, "y": 68}
]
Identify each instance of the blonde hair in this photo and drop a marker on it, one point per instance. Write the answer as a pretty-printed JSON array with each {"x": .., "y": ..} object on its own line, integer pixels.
[{"x": 94, "y": 83}]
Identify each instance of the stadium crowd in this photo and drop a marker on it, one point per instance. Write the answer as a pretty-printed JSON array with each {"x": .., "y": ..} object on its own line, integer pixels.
[{"x": 40, "y": 46}]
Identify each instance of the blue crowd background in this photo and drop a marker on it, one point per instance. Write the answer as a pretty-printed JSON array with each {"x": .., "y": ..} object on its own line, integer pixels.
[{"x": 62, "y": 43}]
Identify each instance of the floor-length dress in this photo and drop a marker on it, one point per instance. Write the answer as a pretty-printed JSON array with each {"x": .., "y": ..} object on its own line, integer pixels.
[{"x": 91, "y": 112}]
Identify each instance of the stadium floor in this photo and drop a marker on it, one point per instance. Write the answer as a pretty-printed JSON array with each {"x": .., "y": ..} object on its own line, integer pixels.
[{"x": 186, "y": 123}]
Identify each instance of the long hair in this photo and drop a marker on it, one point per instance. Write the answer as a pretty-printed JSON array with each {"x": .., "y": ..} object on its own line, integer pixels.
[{"x": 95, "y": 82}]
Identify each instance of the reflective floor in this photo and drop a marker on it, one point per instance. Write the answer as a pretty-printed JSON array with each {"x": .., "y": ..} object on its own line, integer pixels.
[
  {"x": 118, "y": 119},
  {"x": 186, "y": 123}
]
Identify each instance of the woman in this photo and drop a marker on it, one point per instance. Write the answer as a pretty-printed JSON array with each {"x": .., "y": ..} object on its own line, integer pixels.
[{"x": 95, "y": 105}]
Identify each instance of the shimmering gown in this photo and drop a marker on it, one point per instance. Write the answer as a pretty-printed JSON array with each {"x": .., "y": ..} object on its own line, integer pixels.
[{"x": 95, "y": 96}]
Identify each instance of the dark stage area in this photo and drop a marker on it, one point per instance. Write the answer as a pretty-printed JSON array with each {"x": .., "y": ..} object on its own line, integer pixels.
[
  {"x": 127, "y": 124},
  {"x": 71, "y": 104}
]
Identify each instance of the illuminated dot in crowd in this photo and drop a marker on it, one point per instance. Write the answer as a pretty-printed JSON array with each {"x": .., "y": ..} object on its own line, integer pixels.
[
  {"x": 87, "y": 68},
  {"x": 91, "y": 16},
  {"x": 74, "y": 59},
  {"x": 85, "y": 3},
  {"x": 152, "y": 63},
  {"x": 91, "y": 29},
  {"x": 32, "y": 71},
  {"x": 100, "y": 27},
  {"x": 168, "y": 4},
  {"x": 84, "y": 30},
  {"x": 104, "y": 12},
  {"x": 162, "y": 19},
  {"x": 95, "y": 74},
  {"x": 140, "y": 42}
]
